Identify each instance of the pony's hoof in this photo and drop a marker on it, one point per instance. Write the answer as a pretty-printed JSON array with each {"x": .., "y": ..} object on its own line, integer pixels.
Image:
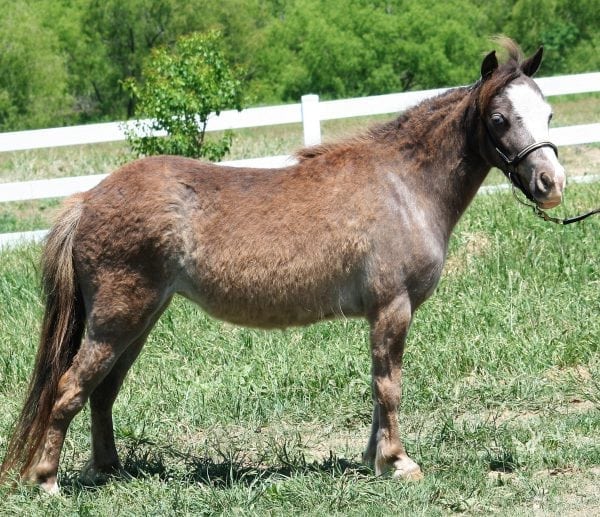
[
  {"x": 92, "y": 475},
  {"x": 407, "y": 470},
  {"x": 403, "y": 468},
  {"x": 50, "y": 487},
  {"x": 42, "y": 477}
]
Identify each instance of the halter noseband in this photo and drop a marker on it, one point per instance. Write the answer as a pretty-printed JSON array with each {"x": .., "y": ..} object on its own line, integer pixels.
[{"x": 524, "y": 152}]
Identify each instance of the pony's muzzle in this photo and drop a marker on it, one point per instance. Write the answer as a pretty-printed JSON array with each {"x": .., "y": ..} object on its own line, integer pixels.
[
  {"x": 547, "y": 182},
  {"x": 548, "y": 188}
]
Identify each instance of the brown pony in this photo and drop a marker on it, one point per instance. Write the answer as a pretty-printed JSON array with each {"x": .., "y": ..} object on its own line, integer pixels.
[{"x": 359, "y": 228}]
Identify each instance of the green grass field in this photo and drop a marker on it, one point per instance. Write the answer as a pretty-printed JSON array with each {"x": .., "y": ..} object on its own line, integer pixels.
[{"x": 501, "y": 399}]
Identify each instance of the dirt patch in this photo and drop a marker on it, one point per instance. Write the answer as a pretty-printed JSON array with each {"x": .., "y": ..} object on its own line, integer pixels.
[
  {"x": 260, "y": 445},
  {"x": 571, "y": 406},
  {"x": 579, "y": 495},
  {"x": 578, "y": 372}
]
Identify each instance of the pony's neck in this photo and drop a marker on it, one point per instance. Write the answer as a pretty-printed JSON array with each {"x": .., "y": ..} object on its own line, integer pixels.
[{"x": 439, "y": 138}]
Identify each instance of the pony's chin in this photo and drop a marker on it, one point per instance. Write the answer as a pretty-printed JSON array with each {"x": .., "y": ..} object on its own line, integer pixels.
[{"x": 547, "y": 205}]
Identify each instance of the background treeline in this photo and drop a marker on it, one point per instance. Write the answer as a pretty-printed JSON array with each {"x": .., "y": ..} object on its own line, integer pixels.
[{"x": 64, "y": 61}]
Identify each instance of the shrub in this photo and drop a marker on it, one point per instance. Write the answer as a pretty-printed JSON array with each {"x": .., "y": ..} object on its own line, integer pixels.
[{"x": 181, "y": 86}]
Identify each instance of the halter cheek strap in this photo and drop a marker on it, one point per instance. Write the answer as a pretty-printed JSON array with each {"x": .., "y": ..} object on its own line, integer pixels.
[{"x": 511, "y": 163}]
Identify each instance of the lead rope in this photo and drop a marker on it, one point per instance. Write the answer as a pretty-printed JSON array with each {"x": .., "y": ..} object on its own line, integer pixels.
[{"x": 543, "y": 215}]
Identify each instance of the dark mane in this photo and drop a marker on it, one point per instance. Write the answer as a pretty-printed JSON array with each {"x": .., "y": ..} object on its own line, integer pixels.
[
  {"x": 412, "y": 130},
  {"x": 431, "y": 118},
  {"x": 411, "y": 124}
]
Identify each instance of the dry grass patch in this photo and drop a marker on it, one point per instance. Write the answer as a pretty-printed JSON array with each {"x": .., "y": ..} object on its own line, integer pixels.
[
  {"x": 580, "y": 160},
  {"x": 472, "y": 245}
]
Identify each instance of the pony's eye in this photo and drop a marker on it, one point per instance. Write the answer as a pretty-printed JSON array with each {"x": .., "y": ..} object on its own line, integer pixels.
[
  {"x": 550, "y": 117},
  {"x": 497, "y": 119}
]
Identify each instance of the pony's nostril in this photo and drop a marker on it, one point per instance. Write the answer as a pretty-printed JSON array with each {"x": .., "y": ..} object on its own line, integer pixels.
[{"x": 545, "y": 182}]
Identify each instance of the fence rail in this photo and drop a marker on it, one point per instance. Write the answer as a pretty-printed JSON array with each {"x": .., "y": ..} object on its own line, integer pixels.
[
  {"x": 310, "y": 112},
  {"x": 274, "y": 115}
]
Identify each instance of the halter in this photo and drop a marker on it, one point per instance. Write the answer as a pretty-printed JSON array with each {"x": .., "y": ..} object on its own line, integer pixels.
[{"x": 510, "y": 171}]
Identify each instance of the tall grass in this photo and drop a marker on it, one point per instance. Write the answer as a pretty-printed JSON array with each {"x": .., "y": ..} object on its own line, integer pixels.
[{"x": 501, "y": 394}]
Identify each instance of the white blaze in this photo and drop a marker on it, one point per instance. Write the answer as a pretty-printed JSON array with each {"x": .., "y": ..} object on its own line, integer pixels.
[{"x": 534, "y": 112}]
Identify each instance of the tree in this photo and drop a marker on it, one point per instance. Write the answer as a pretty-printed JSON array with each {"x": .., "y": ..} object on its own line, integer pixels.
[
  {"x": 181, "y": 87},
  {"x": 33, "y": 76},
  {"x": 65, "y": 61},
  {"x": 568, "y": 30},
  {"x": 346, "y": 48},
  {"x": 121, "y": 35}
]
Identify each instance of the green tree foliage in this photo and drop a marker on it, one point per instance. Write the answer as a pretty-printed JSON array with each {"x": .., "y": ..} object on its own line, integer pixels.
[
  {"x": 181, "y": 87},
  {"x": 64, "y": 61},
  {"x": 33, "y": 75},
  {"x": 116, "y": 37},
  {"x": 568, "y": 30},
  {"x": 123, "y": 35},
  {"x": 347, "y": 48}
]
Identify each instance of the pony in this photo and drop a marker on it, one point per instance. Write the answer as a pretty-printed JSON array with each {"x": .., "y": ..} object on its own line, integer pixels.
[{"x": 357, "y": 228}]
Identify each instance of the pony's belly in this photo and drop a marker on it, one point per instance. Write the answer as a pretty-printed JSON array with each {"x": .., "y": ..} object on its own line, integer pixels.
[
  {"x": 267, "y": 319},
  {"x": 272, "y": 310}
]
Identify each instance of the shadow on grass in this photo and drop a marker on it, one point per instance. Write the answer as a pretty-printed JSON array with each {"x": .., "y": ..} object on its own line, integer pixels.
[{"x": 231, "y": 468}]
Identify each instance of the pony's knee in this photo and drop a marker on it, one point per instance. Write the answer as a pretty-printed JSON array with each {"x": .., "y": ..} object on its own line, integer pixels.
[{"x": 387, "y": 393}]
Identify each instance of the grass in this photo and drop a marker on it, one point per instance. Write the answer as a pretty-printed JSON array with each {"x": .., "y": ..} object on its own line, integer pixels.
[{"x": 501, "y": 399}]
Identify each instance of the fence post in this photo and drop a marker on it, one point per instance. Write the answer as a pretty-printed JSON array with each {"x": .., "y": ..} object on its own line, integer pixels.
[{"x": 311, "y": 122}]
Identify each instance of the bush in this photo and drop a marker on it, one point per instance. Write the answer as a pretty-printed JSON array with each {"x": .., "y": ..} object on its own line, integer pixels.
[{"x": 181, "y": 87}]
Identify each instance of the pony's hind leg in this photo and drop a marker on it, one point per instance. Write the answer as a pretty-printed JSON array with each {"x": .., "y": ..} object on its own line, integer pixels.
[
  {"x": 105, "y": 459},
  {"x": 115, "y": 322},
  {"x": 371, "y": 450},
  {"x": 93, "y": 361},
  {"x": 389, "y": 327}
]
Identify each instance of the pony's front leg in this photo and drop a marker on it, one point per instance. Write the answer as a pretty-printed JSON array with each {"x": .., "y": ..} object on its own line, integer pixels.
[{"x": 389, "y": 327}]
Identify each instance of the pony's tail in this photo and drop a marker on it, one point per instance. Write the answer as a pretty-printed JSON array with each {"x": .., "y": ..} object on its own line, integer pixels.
[{"x": 62, "y": 331}]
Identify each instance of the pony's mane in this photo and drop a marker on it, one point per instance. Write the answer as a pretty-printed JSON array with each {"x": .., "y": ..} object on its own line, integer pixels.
[
  {"x": 432, "y": 110},
  {"x": 513, "y": 51}
]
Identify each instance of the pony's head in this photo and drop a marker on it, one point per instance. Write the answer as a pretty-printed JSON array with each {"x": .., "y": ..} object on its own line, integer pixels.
[{"x": 515, "y": 119}]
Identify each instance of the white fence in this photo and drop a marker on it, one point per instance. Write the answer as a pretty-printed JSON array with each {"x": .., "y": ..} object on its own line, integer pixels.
[{"x": 310, "y": 112}]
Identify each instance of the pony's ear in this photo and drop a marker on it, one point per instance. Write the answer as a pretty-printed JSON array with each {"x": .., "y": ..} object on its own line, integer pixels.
[
  {"x": 489, "y": 64},
  {"x": 530, "y": 66}
]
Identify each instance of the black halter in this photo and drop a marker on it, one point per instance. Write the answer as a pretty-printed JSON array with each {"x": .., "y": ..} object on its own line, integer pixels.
[
  {"x": 510, "y": 164},
  {"x": 510, "y": 171}
]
